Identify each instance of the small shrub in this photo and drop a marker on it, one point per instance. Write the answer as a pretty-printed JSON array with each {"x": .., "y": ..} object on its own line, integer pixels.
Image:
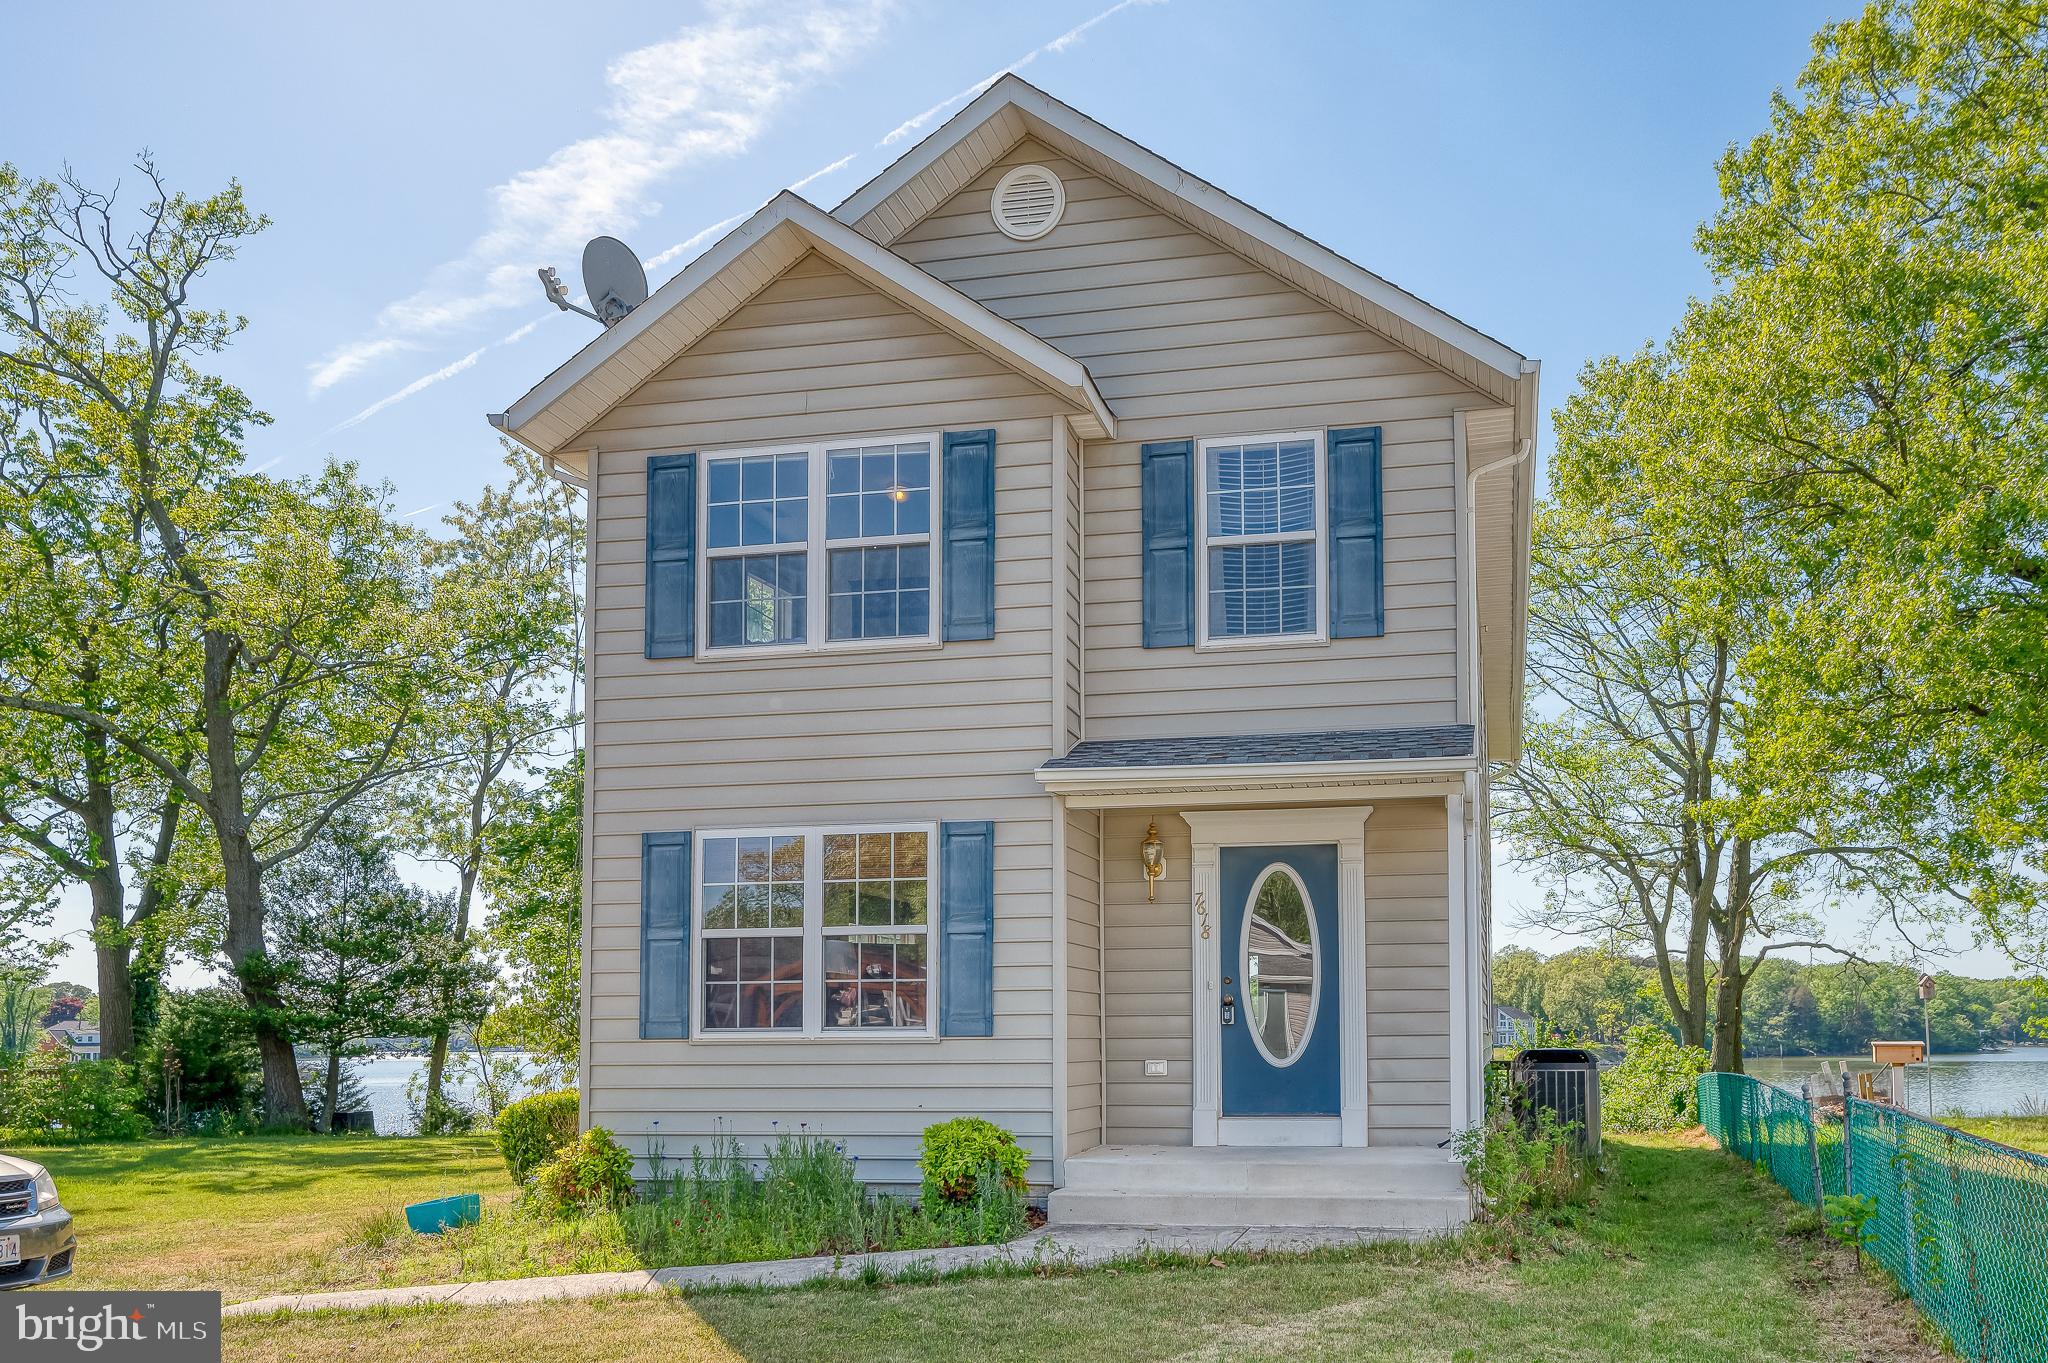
[
  {"x": 1849, "y": 1217},
  {"x": 958, "y": 1154},
  {"x": 98, "y": 1100},
  {"x": 1655, "y": 1086},
  {"x": 1522, "y": 1169},
  {"x": 994, "y": 1212},
  {"x": 533, "y": 1129},
  {"x": 594, "y": 1171}
]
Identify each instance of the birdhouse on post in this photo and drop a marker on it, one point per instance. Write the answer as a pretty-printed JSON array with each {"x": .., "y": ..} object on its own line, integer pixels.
[{"x": 1897, "y": 1055}]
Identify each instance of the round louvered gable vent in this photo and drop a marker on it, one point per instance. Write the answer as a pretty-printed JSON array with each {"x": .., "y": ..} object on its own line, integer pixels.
[{"x": 1028, "y": 202}]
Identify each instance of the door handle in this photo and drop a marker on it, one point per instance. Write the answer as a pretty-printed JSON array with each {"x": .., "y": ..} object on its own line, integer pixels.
[{"x": 1229, "y": 1011}]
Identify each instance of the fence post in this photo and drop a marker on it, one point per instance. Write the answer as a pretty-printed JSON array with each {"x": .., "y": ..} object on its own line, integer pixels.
[
  {"x": 1812, "y": 1143},
  {"x": 1848, "y": 1139}
]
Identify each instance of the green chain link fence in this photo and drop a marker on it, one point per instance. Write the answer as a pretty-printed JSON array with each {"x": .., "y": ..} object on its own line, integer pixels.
[{"x": 1960, "y": 1222}]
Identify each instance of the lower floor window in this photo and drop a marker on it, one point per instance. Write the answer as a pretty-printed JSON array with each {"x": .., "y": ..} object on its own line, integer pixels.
[{"x": 810, "y": 931}]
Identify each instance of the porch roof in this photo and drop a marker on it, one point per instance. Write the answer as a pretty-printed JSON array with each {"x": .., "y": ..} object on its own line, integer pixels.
[
  {"x": 1226, "y": 768},
  {"x": 1339, "y": 745}
]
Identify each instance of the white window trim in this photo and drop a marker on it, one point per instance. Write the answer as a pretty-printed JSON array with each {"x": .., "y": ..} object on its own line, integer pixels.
[
  {"x": 1319, "y": 536},
  {"x": 814, "y": 935},
  {"x": 817, "y": 563}
]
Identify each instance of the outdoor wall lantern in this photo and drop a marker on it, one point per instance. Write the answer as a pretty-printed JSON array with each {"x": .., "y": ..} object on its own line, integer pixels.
[{"x": 1153, "y": 853}]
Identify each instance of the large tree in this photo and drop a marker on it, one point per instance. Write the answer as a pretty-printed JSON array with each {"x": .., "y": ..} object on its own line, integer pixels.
[
  {"x": 308, "y": 646},
  {"x": 1878, "y": 359},
  {"x": 1651, "y": 787},
  {"x": 505, "y": 588},
  {"x": 86, "y": 623}
]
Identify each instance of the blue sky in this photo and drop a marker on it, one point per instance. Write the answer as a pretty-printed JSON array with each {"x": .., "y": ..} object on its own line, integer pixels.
[{"x": 1536, "y": 170}]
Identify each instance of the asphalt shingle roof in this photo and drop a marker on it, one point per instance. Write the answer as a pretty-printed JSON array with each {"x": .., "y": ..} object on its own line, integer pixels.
[{"x": 1343, "y": 745}]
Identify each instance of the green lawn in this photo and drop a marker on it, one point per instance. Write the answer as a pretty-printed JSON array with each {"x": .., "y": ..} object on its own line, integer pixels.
[
  {"x": 257, "y": 1215},
  {"x": 2028, "y": 1133},
  {"x": 1683, "y": 1259}
]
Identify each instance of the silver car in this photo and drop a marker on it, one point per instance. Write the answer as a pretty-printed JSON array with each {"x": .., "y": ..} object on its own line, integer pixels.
[{"x": 36, "y": 1243}]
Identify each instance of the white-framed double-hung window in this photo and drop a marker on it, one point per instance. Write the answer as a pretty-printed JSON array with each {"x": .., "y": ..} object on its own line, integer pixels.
[
  {"x": 819, "y": 931},
  {"x": 821, "y": 545},
  {"x": 1261, "y": 567}
]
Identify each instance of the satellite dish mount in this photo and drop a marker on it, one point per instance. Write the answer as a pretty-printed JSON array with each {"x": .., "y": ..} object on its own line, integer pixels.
[{"x": 612, "y": 278}]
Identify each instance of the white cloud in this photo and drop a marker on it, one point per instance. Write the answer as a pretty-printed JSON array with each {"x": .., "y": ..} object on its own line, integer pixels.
[
  {"x": 345, "y": 362},
  {"x": 446, "y": 371},
  {"x": 1057, "y": 45},
  {"x": 695, "y": 239},
  {"x": 704, "y": 94},
  {"x": 822, "y": 171},
  {"x": 419, "y": 511}
]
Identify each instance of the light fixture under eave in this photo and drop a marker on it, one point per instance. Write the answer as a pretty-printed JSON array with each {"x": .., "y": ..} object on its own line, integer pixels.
[{"x": 1153, "y": 853}]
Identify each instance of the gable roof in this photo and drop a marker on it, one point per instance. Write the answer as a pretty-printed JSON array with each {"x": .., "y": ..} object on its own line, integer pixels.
[
  {"x": 715, "y": 285},
  {"x": 964, "y": 146}
]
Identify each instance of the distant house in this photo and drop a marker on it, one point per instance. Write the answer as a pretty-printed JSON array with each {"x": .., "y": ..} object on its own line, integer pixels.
[
  {"x": 82, "y": 1039},
  {"x": 1512, "y": 1026}
]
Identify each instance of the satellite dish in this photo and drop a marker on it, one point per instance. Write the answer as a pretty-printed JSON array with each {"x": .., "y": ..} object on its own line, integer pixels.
[{"x": 613, "y": 278}]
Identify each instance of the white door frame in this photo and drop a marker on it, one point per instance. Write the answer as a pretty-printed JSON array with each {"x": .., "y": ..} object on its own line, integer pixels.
[{"x": 1212, "y": 830}]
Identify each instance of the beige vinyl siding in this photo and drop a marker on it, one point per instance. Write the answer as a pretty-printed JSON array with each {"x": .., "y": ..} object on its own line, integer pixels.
[
  {"x": 1147, "y": 968},
  {"x": 1407, "y": 973},
  {"x": 1084, "y": 980},
  {"x": 916, "y": 733},
  {"x": 1188, "y": 339}
]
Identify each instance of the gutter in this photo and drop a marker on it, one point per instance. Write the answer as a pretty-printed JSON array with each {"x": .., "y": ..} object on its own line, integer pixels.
[
  {"x": 502, "y": 423},
  {"x": 1082, "y": 780}
]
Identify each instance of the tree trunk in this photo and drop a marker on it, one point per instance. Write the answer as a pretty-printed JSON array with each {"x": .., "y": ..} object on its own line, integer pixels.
[
  {"x": 1728, "y": 1021},
  {"x": 437, "y": 1055},
  {"x": 116, "y": 982},
  {"x": 333, "y": 1086},
  {"x": 284, "y": 1098}
]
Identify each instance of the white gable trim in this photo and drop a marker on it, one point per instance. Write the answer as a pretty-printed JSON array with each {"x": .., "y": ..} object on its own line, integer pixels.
[
  {"x": 717, "y": 283},
  {"x": 1384, "y": 306}
]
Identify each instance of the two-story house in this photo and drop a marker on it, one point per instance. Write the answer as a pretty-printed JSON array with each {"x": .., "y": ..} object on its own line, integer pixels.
[{"x": 1049, "y": 624}]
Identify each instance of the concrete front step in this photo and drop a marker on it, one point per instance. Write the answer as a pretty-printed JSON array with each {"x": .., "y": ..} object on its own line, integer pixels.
[{"x": 1401, "y": 1191}]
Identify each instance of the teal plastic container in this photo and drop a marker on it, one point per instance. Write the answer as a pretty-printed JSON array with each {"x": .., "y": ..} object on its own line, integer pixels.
[{"x": 431, "y": 1218}]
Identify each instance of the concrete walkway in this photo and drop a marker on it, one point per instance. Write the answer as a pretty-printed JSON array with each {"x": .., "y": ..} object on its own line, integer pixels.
[{"x": 1068, "y": 1247}]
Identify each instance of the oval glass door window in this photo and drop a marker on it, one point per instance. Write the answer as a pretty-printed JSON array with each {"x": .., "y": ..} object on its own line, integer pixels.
[{"x": 1280, "y": 966}]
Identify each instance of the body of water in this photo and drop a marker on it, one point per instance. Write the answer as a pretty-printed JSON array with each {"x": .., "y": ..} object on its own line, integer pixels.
[
  {"x": 384, "y": 1079},
  {"x": 1988, "y": 1084}
]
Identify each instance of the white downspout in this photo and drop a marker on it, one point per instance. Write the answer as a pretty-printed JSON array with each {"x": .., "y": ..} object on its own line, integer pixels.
[{"x": 1464, "y": 843}]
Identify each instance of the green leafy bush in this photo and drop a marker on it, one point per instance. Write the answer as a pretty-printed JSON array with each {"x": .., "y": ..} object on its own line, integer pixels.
[
  {"x": 533, "y": 1129},
  {"x": 46, "y": 1095},
  {"x": 592, "y": 1172},
  {"x": 99, "y": 1100},
  {"x": 1654, "y": 1087},
  {"x": 958, "y": 1155}
]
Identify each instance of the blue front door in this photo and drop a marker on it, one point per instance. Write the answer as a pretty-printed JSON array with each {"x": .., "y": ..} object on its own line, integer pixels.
[{"x": 1281, "y": 1045}]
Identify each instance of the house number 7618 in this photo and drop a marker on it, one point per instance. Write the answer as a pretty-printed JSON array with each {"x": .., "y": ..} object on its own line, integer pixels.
[{"x": 1202, "y": 913}]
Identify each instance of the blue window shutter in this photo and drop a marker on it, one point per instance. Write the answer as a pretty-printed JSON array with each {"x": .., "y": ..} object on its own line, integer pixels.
[
  {"x": 665, "y": 883},
  {"x": 1167, "y": 475},
  {"x": 967, "y": 915},
  {"x": 1356, "y": 540},
  {"x": 671, "y": 555},
  {"x": 968, "y": 473}
]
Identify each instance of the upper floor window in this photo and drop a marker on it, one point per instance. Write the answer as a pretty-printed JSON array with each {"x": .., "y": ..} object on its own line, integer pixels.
[
  {"x": 819, "y": 544},
  {"x": 1261, "y": 564}
]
